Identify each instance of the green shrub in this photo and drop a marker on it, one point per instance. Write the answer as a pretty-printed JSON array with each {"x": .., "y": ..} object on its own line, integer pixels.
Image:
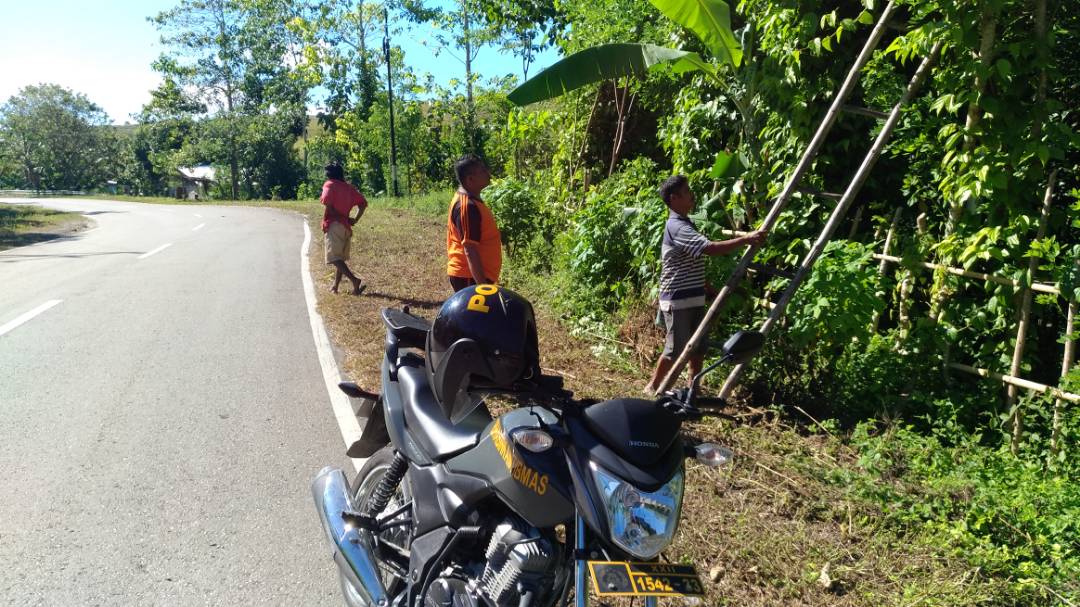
[
  {"x": 616, "y": 235},
  {"x": 520, "y": 213},
  {"x": 1011, "y": 517}
]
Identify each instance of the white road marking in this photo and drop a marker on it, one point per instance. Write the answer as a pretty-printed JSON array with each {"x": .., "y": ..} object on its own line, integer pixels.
[
  {"x": 198, "y": 227},
  {"x": 90, "y": 230},
  {"x": 157, "y": 250},
  {"x": 343, "y": 411},
  {"x": 197, "y": 215},
  {"x": 25, "y": 317}
]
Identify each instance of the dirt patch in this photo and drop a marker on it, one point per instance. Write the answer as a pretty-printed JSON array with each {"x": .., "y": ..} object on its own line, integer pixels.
[{"x": 775, "y": 528}]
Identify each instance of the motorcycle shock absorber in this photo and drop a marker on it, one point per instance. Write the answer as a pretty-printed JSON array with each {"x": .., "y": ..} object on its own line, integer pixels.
[{"x": 380, "y": 497}]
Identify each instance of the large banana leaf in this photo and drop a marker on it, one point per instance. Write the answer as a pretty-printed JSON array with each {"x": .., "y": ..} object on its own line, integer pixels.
[
  {"x": 710, "y": 20},
  {"x": 603, "y": 63}
]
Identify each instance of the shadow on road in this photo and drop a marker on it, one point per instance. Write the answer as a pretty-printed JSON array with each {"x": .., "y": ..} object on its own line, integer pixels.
[
  {"x": 15, "y": 257},
  {"x": 12, "y": 241}
]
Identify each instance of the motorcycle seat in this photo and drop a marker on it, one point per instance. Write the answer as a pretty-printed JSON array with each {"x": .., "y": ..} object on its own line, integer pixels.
[
  {"x": 410, "y": 330},
  {"x": 436, "y": 435}
]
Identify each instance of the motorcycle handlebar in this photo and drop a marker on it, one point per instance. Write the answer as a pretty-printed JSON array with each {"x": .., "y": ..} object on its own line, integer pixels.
[{"x": 710, "y": 402}]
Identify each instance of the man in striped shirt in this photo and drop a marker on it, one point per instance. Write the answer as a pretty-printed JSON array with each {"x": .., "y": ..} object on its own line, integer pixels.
[{"x": 682, "y": 277}]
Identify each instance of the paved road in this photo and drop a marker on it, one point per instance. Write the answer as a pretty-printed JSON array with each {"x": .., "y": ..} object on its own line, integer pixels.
[{"x": 160, "y": 425}]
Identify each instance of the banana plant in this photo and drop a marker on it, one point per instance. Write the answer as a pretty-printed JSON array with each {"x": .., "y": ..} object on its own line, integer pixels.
[{"x": 709, "y": 20}]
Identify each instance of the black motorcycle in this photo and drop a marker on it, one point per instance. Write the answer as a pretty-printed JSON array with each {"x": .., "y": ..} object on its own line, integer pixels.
[{"x": 455, "y": 508}]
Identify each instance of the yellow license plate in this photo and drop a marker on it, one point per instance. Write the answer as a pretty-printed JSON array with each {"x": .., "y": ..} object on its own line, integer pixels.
[{"x": 619, "y": 578}]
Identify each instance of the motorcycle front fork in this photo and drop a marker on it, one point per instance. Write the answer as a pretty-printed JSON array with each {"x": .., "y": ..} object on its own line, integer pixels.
[{"x": 581, "y": 583}]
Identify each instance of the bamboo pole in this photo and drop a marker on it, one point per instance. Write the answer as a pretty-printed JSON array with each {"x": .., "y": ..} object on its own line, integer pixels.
[
  {"x": 1001, "y": 280},
  {"x": 1066, "y": 365},
  {"x": 781, "y": 201},
  {"x": 987, "y": 38},
  {"x": 1025, "y": 318},
  {"x": 884, "y": 265},
  {"x": 1017, "y": 381},
  {"x": 841, "y": 207},
  {"x": 907, "y": 283},
  {"x": 855, "y": 221}
]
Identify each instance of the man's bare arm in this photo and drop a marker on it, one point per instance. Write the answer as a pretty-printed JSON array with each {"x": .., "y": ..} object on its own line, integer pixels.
[
  {"x": 476, "y": 267},
  {"x": 723, "y": 247}
]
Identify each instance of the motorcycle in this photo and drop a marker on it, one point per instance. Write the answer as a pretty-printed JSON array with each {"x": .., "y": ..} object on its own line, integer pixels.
[{"x": 457, "y": 508}]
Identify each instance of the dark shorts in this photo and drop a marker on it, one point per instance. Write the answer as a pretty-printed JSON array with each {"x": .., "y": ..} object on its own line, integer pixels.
[
  {"x": 681, "y": 325},
  {"x": 458, "y": 283}
]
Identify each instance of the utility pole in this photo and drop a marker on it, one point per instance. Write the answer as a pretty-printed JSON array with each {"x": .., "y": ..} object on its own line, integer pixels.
[{"x": 390, "y": 97}]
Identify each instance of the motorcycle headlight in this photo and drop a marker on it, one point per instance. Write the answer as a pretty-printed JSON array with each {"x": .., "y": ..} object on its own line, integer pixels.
[{"x": 640, "y": 522}]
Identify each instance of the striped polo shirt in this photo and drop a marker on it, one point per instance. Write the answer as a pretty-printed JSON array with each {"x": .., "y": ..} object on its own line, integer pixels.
[{"x": 682, "y": 277}]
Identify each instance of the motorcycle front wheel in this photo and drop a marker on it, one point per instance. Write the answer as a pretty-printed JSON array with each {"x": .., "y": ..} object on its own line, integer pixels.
[{"x": 398, "y": 538}]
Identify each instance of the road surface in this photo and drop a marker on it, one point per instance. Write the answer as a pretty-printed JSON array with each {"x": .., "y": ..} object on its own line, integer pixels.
[{"x": 162, "y": 412}]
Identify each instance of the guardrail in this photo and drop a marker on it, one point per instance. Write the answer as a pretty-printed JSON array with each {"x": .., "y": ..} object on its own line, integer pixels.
[{"x": 40, "y": 193}]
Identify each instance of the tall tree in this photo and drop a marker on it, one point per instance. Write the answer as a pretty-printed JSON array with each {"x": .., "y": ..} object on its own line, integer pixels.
[
  {"x": 204, "y": 38},
  {"x": 57, "y": 138}
]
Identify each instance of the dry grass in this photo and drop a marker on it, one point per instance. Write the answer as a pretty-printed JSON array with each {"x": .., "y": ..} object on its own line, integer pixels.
[
  {"x": 776, "y": 528},
  {"x": 24, "y": 224}
]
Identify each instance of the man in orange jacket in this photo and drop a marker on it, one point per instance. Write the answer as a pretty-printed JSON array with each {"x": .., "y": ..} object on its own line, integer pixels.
[{"x": 473, "y": 243}]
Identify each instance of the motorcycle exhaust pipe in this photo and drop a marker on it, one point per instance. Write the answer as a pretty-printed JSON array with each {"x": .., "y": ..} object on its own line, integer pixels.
[{"x": 351, "y": 551}]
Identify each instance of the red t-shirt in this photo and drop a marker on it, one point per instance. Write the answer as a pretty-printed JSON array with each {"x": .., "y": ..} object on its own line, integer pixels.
[{"x": 339, "y": 198}]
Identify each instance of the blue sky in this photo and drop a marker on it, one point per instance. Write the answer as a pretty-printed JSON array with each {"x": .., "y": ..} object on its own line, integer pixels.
[{"x": 103, "y": 49}]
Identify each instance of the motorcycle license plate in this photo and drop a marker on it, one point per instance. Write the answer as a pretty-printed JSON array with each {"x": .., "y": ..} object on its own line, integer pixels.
[{"x": 618, "y": 578}]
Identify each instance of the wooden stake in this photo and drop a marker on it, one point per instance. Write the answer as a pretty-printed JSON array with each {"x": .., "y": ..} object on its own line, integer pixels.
[
  {"x": 781, "y": 201},
  {"x": 1035, "y": 286},
  {"x": 841, "y": 207},
  {"x": 885, "y": 264},
  {"x": 1025, "y": 319},
  {"x": 1066, "y": 365},
  {"x": 1017, "y": 381}
]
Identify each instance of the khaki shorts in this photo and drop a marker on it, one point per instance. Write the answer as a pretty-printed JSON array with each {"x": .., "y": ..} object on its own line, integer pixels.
[
  {"x": 681, "y": 325},
  {"x": 337, "y": 243}
]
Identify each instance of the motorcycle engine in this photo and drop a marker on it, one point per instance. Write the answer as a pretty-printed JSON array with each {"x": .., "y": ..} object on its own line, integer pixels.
[{"x": 518, "y": 559}]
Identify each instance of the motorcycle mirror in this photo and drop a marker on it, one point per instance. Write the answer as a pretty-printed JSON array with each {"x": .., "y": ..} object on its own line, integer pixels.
[
  {"x": 743, "y": 346},
  {"x": 738, "y": 349}
]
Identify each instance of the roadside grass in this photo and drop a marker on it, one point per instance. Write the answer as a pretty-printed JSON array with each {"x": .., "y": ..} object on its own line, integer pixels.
[
  {"x": 779, "y": 527},
  {"x": 22, "y": 224},
  {"x": 432, "y": 203}
]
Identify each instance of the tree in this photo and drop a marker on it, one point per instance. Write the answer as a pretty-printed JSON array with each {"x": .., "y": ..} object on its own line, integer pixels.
[
  {"x": 57, "y": 139},
  {"x": 206, "y": 54}
]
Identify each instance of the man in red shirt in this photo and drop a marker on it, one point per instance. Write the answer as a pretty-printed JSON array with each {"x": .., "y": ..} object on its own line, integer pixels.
[{"x": 339, "y": 198}]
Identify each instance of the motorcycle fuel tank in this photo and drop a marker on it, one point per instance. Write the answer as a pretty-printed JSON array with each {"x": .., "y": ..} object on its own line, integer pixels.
[{"x": 535, "y": 485}]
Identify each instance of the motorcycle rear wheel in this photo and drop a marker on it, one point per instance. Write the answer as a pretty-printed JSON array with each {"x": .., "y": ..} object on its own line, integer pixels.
[{"x": 367, "y": 479}]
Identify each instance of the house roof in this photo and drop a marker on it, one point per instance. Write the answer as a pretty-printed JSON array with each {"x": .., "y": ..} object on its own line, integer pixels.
[{"x": 202, "y": 172}]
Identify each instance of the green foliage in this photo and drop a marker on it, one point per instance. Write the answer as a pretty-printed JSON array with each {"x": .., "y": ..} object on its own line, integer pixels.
[
  {"x": 520, "y": 213},
  {"x": 617, "y": 233},
  {"x": 603, "y": 62},
  {"x": 52, "y": 138},
  {"x": 1014, "y": 518},
  {"x": 710, "y": 20},
  {"x": 839, "y": 299}
]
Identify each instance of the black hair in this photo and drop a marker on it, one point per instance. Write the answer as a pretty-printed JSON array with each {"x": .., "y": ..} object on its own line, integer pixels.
[
  {"x": 334, "y": 170},
  {"x": 467, "y": 165},
  {"x": 673, "y": 185}
]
